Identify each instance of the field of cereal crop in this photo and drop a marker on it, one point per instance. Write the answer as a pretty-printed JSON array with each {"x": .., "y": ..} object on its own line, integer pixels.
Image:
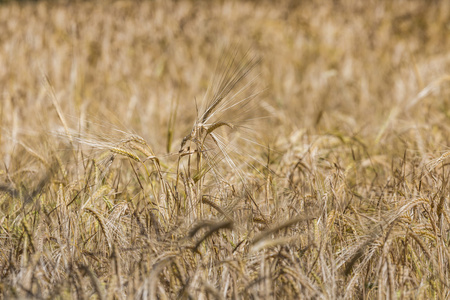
[{"x": 225, "y": 150}]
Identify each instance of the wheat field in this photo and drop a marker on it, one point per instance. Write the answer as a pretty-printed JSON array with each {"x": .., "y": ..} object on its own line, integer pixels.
[{"x": 225, "y": 150}]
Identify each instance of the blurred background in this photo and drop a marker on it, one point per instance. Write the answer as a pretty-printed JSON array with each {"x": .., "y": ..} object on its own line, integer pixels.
[{"x": 350, "y": 68}]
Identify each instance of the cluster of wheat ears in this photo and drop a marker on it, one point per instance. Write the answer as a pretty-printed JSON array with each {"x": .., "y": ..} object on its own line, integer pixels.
[{"x": 303, "y": 173}]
